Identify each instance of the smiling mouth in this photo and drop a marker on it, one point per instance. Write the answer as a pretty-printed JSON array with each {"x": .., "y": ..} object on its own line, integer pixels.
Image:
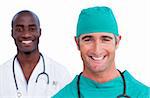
[
  {"x": 100, "y": 58},
  {"x": 27, "y": 42}
]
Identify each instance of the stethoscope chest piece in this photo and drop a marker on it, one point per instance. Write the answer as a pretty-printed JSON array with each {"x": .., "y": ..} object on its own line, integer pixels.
[
  {"x": 19, "y": 94},
  {"x": 123, "y": 96}
]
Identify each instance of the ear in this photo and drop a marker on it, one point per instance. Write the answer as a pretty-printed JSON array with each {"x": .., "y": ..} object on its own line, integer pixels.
[
  {"x": 40, "y": 32},
  {"x": 118, "y": 38},
  {"x": 77, "y": 42},
  {"x": 12, "y": 33}
]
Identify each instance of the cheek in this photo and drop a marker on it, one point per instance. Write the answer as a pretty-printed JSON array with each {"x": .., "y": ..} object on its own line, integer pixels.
[
  {"x": 84, "y": 49},
  {"x": 14, "y": 35},
  {"x": 37, "y": 36},
  {"x": 111, "y": 49}
]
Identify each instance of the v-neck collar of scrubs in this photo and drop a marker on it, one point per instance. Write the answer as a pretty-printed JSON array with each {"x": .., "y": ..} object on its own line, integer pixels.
[{"x": 116, "y": 82}]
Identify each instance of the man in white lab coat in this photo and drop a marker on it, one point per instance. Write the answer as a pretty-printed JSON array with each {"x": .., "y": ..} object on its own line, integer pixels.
[{"x": 29, "y": 73}]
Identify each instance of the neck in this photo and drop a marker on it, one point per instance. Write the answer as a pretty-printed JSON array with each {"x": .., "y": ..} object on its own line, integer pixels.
[
  {"x": 30, "y": 59},
  {"x": 103, "y": 76},
  {"x": 28, "y": 62}
]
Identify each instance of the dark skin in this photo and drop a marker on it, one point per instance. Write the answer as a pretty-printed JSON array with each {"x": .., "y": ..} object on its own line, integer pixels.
[{"x": 26, "y": 32}]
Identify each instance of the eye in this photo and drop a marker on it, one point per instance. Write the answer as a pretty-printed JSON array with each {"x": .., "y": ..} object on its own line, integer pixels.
[
  {"x": 106, "y": 39},
  {"x": 87, "y": 39},
  {"x": 32, "y": 29},
  {"x": 18, "y": 29}
]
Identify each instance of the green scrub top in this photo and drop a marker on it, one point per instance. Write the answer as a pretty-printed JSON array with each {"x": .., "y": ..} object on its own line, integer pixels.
[{"x": 110, "y": 89}]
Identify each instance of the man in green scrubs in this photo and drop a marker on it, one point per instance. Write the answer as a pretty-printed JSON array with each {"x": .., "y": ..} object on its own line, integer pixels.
[{"x": 97, "y": 39}]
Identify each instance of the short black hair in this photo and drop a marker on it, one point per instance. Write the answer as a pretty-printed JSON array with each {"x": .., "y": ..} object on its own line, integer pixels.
[{"x": 24, "y": 11}]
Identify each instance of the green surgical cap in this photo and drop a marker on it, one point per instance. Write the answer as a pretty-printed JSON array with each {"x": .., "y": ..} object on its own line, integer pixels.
[{"x": 96, "y": 19}]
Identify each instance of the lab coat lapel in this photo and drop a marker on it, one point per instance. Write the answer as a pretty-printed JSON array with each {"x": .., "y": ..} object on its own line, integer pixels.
[
  {"x": 20, "y": 79},
  {"x": 37, "y": 70},
  {"x": 33, "y": 87}
]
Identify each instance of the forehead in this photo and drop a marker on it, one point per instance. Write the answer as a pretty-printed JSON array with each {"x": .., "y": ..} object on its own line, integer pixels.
[
  {"x": 25, "y": 18},
  {"x": 97, "y": 34}
]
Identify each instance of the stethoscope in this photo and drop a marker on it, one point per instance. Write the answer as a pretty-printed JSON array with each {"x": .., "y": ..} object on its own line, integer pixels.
[
  {"x": 124, "y": 95},
  {"x": 19, "y": 94}
]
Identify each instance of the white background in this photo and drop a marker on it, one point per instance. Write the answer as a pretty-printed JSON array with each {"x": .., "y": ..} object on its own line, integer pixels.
[{"x": 58, "y": 22}]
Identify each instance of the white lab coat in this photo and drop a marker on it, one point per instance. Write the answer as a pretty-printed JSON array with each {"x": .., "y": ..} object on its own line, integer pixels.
[{"x": 58, "y": 78}]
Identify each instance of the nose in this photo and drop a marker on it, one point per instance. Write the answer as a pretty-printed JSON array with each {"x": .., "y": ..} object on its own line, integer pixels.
[
  {"x": 97, "y": 47},
  {"x": 26, "y": 34}
]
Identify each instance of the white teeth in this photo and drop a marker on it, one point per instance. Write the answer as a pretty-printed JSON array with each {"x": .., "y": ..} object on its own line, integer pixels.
[
  {"x": 98, "y": 58},
  {"x": 27, "y": 42}
]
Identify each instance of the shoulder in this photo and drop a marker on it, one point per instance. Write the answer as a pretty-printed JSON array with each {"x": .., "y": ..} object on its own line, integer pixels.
[
  {"x": 135, "y": 85},
  {"x": 69, "y": 91},
  {"x": 57, "y": 71},
  {"x": 6, "y": 65},
  {"x": 6, "y": 71},
  {"x": 54, "y": 64}
]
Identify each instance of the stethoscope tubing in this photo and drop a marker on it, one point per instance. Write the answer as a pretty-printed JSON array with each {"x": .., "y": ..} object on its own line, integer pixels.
[
  {"x": 14, "y": 75},
  {"x": 119, "y": 96}
]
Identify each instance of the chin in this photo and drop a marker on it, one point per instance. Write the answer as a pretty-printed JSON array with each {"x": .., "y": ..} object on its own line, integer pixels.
[
  {"x": 98, "y": 69},
  {"x": 28, "y": 51}
]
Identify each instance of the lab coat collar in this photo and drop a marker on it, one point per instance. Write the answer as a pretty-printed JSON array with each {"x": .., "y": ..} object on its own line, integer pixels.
[{"x": 19, "y": 73}]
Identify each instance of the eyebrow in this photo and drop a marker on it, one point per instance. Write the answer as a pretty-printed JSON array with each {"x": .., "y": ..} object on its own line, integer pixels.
[
  {"x": 105, "y": 36},
  {"x": 19, "y": 25},
  {"x": 86, "y": 36},
  {"x": 32, "y": 25}
]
